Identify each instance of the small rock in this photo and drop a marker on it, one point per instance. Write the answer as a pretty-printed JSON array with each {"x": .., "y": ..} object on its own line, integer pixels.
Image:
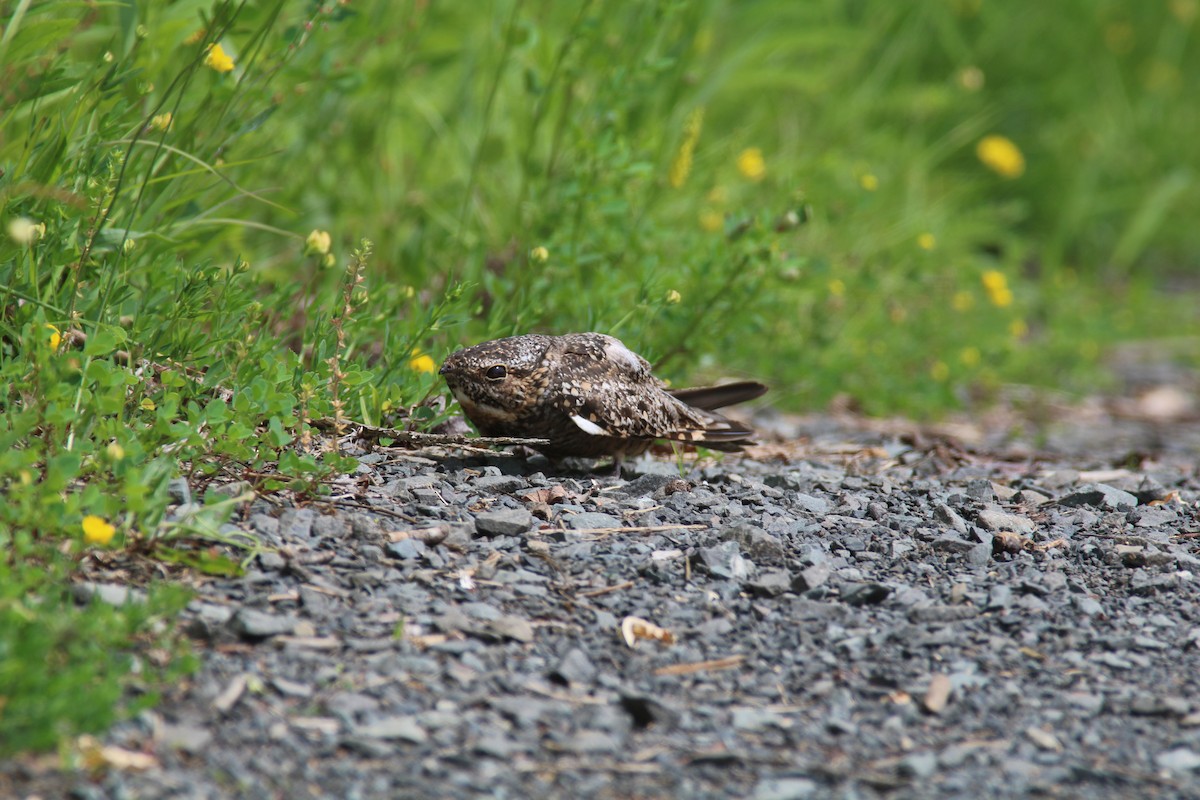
[
  {"x": 291, "y": 688},
  {"x": 944, "y": 513},
  {"x": 405, "y": 728},
  {"x": 993, "y": 518},
  {"x": 497, "y": 746},
  {"x": 918, "y": 765},
  {"x": 752, "y": 719},
  {"x": 866, "y": 594},
  {"x": 643, "y": 485},
  {"x": 406, "y": 549},
  {"x": 953, "y": 544},
  {"x": 513, "y": 627},
  {"x": 1098, "y": 495},
  {"x": 1030, "y": 497},
  {"x": 178, "y": 491},
  {"x": 941, "y": 613},
  {"x": 980, "y": 555},
  {"x": 185, "y": 736},
  {"x": 1043, "y": 739},
  {"x": 271, "y": 561},
  {"x": 771, "y": 583},
  {"x": 296, "y": 523},
  {"x": 1180, "y": 759},
  {"x": 575, "y": 668},
  {"x": 252, "y": 624},
  {"x": 784, "y": 789},
  {"x": 591, "y": 742},
  {"x": 813, "y": 505},
  {"x": 591, "y": 520},
  {"x": 507, "y": 522},
  {"x": 113, "y": 594},
  {"x": 500, "y": 484},
  {"x": 646, "y": 711},
  {"x": 755, "y": 542},
  {"x": 812, "y": 577}
]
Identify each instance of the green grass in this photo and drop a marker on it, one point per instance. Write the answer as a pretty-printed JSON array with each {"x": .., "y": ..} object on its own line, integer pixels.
[{"x": 790, "y": 191}]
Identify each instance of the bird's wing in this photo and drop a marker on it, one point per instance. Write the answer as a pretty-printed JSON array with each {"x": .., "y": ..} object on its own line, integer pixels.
[
  {"x": 711, "y": 398},
  {"x": 650, "y": 413}
]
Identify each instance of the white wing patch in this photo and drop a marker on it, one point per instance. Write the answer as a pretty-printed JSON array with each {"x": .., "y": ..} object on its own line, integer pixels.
[
  {"x": 587, "y": 426},
  {"x": 618, "y": 352}
]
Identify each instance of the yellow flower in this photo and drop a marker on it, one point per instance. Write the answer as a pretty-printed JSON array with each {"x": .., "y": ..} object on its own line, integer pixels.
[
  {"x": 97, "y": 531},
  {"x": 318, "y": 243},
  {"x": 962, "y": 301},
  {"x": 673, "y": 297},
  {"x": 1001, "y": 156},
  {"x": 217, "y": 59},
  {"x": 539, "y": 255},
  {"x": 971, "y": 78},
  {"x": 1118, "y": 37},
  {"x": 25, "y": 231},
  {"x": 926, "y": 241},
  {"x": 939, "y": 371},
  {"x": 55, "y": 336},
  {"x": 420, "y": 362},
  {"x": 969, "y": 356},
  {"x": 994, "y": 279},
  {"x": 1184, "y": 10},
  {"x": 868, "y": 181},
  {"x": 1018, "y": 329},
  {"x": 751, "y": 164},
  {"x": 115, "y": 451},
  {"x": 997, "y": 288},
  {"x": 711, "y": 220},
  {"x": 837, "y": 288},
  {"x": 162, "y": 122},
  {"x": 681, "y": 167}
]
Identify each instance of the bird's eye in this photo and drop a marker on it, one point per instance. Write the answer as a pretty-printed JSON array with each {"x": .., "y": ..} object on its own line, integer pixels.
[{"x": 496, "y": 373}]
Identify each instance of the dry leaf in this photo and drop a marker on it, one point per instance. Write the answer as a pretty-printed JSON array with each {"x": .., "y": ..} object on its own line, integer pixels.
[
  {"x": 547, "y": 495},
  {"x": 938, "y": 693},
  {"x": 429, "y": 536},
  {"x": 97, "y": 757},
  {"x": 1008, "y": 542},
  {"x": 634, "y": 628}
]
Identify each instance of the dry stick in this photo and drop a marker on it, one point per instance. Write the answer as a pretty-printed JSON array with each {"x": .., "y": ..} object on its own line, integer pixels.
[
  {"x": 413, "y": 437},
  {"x": 597, "y": 592},
  {"x": 729, "y": 662},
  {"x": 634, "y": 529}
]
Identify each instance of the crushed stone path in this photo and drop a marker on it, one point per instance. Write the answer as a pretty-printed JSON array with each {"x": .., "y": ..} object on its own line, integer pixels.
[{"x": 857, "y": 616}]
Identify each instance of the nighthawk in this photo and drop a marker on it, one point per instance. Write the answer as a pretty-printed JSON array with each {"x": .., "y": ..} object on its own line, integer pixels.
[{"x": 590, "y": 395}]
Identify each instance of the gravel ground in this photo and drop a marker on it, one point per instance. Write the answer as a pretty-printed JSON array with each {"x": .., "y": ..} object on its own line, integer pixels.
[{"x": 860, "y": 613}]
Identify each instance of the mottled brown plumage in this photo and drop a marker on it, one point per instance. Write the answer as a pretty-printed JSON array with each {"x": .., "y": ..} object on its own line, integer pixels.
[{"x": 589, "y": 394}]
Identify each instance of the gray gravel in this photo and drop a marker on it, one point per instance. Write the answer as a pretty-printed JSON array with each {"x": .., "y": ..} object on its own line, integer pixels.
[{"x": 855, "y": 622}]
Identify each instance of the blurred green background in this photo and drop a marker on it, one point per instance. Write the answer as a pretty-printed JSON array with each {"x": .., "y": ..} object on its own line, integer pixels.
[
  {"x": 791, "y": 190},
  {"x": 903, "y": 206}
]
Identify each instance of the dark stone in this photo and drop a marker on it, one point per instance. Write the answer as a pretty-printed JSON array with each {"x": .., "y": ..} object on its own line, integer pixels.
[{"x": 507, "y": 522}]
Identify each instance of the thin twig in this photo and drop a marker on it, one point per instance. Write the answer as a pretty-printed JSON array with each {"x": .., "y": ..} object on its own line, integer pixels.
[
  {"x": 729, "y": 662},
  {"x": 635, "y": 529},
  {"x": 607, "y": 589}
]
